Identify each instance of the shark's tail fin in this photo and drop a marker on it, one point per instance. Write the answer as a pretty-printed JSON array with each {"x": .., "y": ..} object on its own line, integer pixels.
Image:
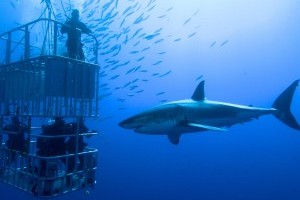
[{"x": 283, "y": 104}]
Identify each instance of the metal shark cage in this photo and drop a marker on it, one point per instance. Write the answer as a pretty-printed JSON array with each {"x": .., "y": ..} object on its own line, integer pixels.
[{"x": 38, "y": 83}]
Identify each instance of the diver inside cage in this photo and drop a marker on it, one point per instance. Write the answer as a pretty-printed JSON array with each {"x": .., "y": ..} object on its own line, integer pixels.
[
  {"x": 48, "y": 148},
  {"x": 16, "y": 142},
  {"x": 57, "y": 156},
  {"x": 76, "y": 144}
]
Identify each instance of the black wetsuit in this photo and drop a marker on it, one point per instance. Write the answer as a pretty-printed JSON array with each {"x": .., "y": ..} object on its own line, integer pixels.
[{"x": 74, "y": 44}]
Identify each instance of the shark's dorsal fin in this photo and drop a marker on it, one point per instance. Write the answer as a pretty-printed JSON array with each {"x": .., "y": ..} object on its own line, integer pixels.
[{"x": 199, "y": 92}]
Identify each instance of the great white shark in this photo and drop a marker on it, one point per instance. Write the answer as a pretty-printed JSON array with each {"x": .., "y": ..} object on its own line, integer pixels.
[{"x": 200, "y": 114}]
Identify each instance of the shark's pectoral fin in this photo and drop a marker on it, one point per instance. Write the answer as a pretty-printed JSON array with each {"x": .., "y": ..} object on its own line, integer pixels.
[
  {"x": 174, "y": 137},
  {"x": 206, "y": 127}
]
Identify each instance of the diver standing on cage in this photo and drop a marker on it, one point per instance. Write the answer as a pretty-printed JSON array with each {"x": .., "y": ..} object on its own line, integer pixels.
[{"x": 74, "y": 27}]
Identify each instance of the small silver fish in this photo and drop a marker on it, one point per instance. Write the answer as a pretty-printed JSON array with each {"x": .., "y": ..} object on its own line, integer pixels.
[{"x": 225, "y": 42}]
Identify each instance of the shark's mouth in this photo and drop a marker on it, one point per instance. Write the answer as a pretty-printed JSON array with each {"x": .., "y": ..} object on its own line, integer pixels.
[
  {"x": 129, "y": 124},
  {"x": 139, "y": 129}
]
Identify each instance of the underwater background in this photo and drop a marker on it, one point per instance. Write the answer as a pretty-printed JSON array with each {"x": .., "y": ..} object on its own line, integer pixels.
[{"x": 155, "y": 51}]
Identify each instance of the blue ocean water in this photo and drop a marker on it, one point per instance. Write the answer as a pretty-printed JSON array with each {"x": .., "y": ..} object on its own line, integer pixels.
[{"x": 158, "y": 51}]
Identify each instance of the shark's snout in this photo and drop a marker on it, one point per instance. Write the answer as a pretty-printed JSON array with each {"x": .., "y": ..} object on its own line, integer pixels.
[{"x": 123, "y": 124}]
